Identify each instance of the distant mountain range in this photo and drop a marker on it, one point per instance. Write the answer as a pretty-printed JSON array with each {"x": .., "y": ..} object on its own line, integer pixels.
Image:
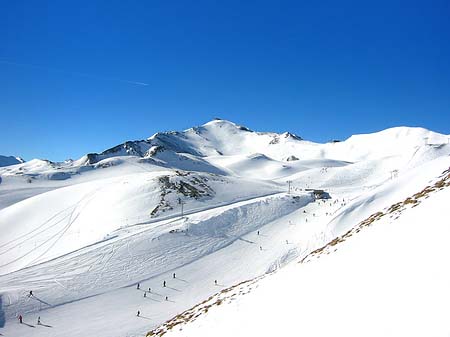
[
  {"x": 219, "y": 145},
  {"x": 10, "y": 160}
]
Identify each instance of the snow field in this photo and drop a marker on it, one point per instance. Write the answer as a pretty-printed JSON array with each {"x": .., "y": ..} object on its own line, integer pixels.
[
  {"x": 388, "y": 280},
  {"x": 234, "y": 254},
  {"x": 82, "y": 233}
]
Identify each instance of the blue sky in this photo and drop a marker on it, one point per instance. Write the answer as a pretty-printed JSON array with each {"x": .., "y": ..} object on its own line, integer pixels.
[{"x": 321, "y": 69}]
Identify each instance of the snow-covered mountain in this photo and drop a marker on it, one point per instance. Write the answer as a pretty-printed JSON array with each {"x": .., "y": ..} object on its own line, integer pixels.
[
  {"x": 224, "y": 147},
  {"x": 218, "y": 202},
  {"x": 10, "y": 160}
]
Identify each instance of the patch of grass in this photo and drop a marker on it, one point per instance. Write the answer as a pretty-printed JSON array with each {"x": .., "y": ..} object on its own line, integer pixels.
[{"x": 192, "y": 314}]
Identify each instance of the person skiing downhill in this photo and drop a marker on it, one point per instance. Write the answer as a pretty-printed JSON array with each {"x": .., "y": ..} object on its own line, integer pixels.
[
  {"x": 145, "y": 294},
  {"x": 215, "y": 282},
  {"x": 164, "y": 284},
  {"x": 39, "y": 320},
  {"x": 138, "y": 313},
  {"x": 20, "y": 319},
  {"x": 174, "y": 276},
  {"x": 138, "y": 286}
]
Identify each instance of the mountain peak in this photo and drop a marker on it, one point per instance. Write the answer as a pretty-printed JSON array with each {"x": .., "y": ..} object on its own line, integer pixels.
[
  {"x": 218, "y": 122},
  {"x": 291, "y": 135}
]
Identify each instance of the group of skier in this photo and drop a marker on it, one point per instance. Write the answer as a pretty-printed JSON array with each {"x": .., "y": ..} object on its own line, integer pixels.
[
  {"x": 164, "y": 284},
  {"x": 20, "y": 317}
]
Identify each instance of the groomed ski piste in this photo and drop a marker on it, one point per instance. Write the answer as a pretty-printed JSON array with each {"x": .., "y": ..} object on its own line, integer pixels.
[{"x": 211, "y": 206}]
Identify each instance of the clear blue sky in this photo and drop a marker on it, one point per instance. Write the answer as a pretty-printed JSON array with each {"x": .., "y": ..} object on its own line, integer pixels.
[{"x": 321, "y": 69}]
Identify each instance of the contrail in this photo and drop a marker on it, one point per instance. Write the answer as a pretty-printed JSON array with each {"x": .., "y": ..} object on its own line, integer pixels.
[
  {"x": 72, "y": 73},
  {"x": 137, "y": 83}
]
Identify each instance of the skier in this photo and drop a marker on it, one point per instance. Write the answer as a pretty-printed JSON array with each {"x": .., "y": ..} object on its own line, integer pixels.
[
  {"x": 149, "y": 289},
  {"x": 138, "y": 313},
  {"x": 39, "y": 320},
  {"x": 257, "y": 233},
  {"x": 174, "y": 275},
  {"x": 145, "y": 294},
  {"x": 20, "y": 319},
  {"x": 287, "y": 242},
  {"x": 215, "y": 282},
  {"x": 164, "y": 284},
  {"x": 31, "y": 293},
  {"x": 167, "y": 298},
  {"x": 260, "y": 248},
  {"x": 138, "y": 286}
]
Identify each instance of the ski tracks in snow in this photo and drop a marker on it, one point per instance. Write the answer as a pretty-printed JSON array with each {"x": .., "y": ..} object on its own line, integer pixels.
[{"x": 70, "y": 214}]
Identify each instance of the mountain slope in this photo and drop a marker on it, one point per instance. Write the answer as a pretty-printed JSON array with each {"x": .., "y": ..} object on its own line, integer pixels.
[
  {"x": 388, "y": 279},
  {"x": 64, "y": 220},
  {"x": 214, "y": 202},
  {"x": 10, "y": 160}
]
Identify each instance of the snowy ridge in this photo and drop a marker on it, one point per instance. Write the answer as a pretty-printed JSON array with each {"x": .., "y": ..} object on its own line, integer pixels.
[{"x": 206, "y": 144}]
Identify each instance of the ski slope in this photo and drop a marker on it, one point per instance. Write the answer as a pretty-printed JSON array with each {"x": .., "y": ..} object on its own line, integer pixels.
[
  {"x": 110, "y": 272},
  {"x": 208, "y": 203},
  {"x": 79, "y": 215},
  {"x": 388, "y": 279}
]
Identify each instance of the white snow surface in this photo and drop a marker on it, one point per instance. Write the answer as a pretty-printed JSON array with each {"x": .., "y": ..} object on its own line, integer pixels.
[
  {"x": 389, "y": 279},
  {"x": 82, "y": 233}
]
